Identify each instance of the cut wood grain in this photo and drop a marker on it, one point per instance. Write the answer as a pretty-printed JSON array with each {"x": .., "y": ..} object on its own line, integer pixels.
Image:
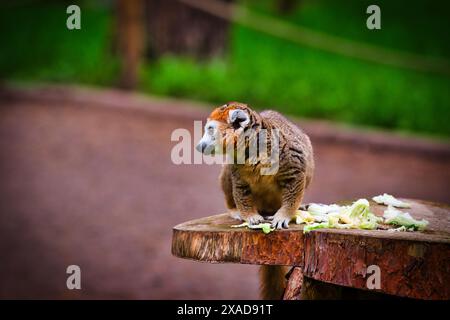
[
  {"x": 413, "y": 264},
  {"x": 212, "y": 239}
]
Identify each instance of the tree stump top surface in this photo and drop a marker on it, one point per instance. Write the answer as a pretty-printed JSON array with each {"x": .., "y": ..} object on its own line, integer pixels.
[{"x": 407, "y": 260}]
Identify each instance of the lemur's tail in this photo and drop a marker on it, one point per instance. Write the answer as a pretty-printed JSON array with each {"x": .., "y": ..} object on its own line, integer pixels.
[{"x": 273, "y": 282}]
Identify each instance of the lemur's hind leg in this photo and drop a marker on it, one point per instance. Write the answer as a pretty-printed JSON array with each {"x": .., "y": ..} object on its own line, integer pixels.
[{"x": 227, "y": 187}]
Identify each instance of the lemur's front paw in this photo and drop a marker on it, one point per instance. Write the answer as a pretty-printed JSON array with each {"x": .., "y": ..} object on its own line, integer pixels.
[
  {"x": 254, "y": 219},
  {"x": 280, "y": 221}
]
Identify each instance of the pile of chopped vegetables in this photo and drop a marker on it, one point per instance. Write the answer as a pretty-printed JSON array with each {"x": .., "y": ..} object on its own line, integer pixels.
[{"x": 355, "y": 216}]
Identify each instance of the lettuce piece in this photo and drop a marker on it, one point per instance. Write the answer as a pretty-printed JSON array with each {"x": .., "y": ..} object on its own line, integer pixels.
[
  {"x": 369, "y": 224},
  {"x": 358, "y": 216},
  {"x": 307, "y": 228},
  {"x": 322, "y": 209},
  {"x": 390, "y": 200},
  {"x": 319, "y": 217},
  {"x": 303, "y": 217},
  {"x": 334, "y": 222},
  {"x": 320, "y": 212},
  {"x": 359, "y": 209},
  {"x": 245, "y": 224},
  {"x": 399, "y": 229},
  {"x": 265, "y": 227},
  {"x": 396, "y": 217}
]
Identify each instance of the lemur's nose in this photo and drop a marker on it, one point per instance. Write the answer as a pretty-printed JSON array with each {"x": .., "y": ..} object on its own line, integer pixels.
[{"x": 201, "y": 146}]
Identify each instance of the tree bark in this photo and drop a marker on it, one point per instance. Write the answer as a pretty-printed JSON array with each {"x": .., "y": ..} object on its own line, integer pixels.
[
  {"x": 286, "y": 6},
  {"x": 130, "y": 40},
  {"x": 176, "y": 28}
]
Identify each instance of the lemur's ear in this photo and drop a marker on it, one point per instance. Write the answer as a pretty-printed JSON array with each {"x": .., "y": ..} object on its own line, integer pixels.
[{"x": 238, "y": 118}]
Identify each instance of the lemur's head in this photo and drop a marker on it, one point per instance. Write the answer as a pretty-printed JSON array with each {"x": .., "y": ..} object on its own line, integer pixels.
[{"x": 224, "y": 125}]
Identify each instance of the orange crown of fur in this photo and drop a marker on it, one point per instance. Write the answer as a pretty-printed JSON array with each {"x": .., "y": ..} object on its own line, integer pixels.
[{"x": 221, "y": 113}]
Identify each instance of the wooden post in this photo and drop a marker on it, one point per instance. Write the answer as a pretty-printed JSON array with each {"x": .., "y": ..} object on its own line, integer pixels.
[
  {"x": 334, "y": 263},
  {"x": 130, "y": 33}
]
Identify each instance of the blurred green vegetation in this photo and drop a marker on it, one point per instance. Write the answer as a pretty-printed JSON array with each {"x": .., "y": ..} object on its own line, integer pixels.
[
  {"x": 259, "y": 69},
  {"x": 38, "y": 46}
]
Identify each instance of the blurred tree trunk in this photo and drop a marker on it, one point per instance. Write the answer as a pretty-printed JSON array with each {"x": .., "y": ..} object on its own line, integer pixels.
[
  {"x": 286, "y": 6},
  {"x": 129, "y": 39},
  {"x": 174, "y": 27}
]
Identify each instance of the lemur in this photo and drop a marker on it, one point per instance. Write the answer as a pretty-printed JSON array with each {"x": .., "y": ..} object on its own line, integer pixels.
[{"x": 249, "y": 194}]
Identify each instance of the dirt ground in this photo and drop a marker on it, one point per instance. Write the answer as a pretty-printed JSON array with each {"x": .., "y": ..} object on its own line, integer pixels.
[{"x": 88, "y": 180}]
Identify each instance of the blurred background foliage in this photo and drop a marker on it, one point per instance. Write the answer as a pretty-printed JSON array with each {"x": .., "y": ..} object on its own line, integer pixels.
[{"x": 255, "y": 68}]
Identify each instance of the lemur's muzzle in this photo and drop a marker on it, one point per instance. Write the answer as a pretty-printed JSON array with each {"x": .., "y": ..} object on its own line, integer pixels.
[
  {"x": 201, "y": 146},
  {"x": 205, "y": 147}
]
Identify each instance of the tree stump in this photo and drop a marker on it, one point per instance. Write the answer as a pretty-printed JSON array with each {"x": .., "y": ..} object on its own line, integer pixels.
[{"x": 412, "y": 264}]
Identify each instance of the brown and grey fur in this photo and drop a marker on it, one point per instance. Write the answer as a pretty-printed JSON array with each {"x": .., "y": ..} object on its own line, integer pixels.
[{"x": 250, "y": 195}]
